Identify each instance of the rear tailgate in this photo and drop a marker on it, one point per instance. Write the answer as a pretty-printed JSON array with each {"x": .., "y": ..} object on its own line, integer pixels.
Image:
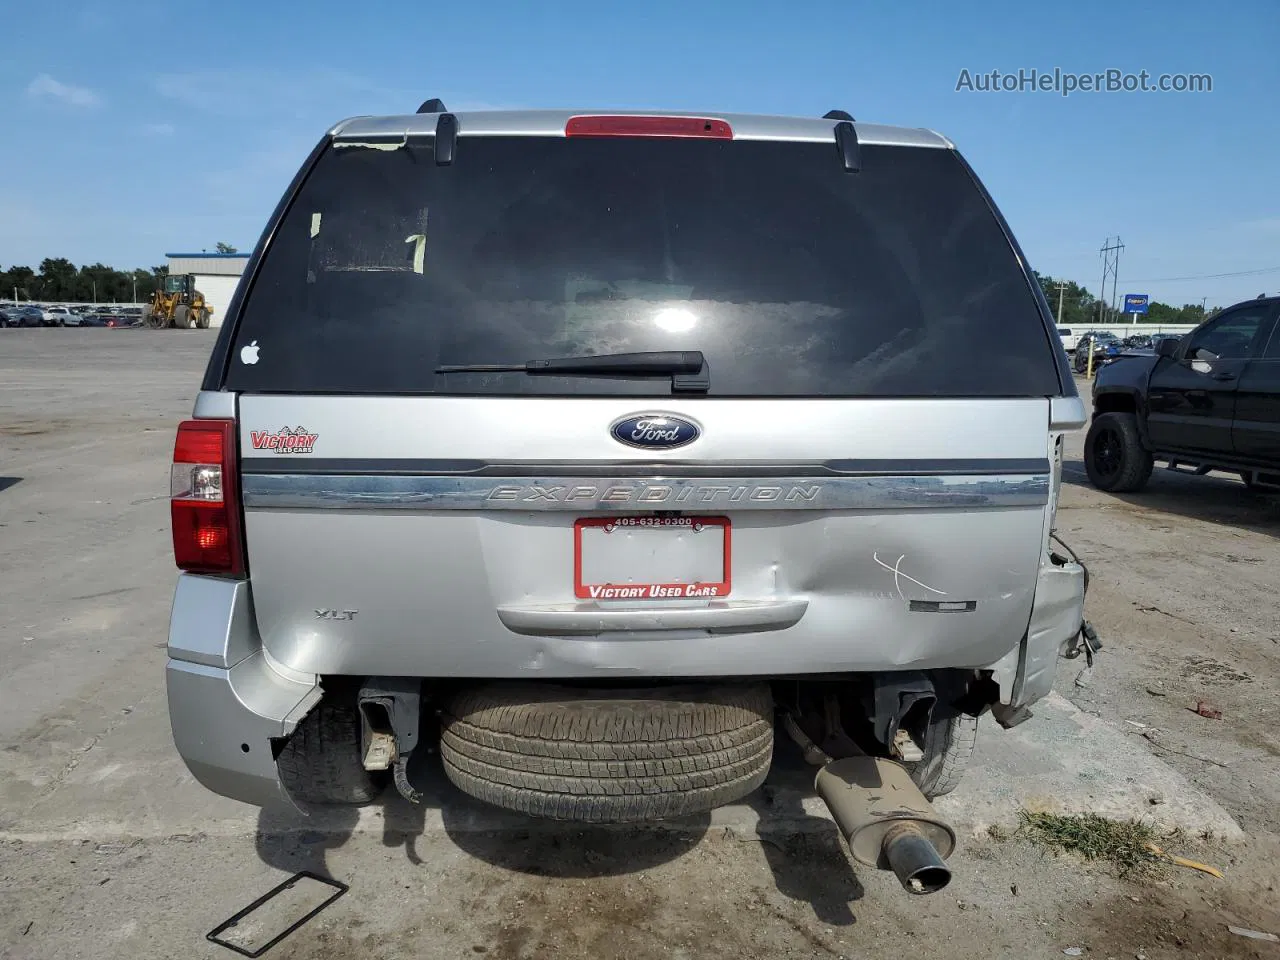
[
  {"x": 435, "y": 536},
  {"x": 869, "y": 480}
]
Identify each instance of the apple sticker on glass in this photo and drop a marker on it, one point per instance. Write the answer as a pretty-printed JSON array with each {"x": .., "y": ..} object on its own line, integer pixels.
[{"x": 249, "y": 354}]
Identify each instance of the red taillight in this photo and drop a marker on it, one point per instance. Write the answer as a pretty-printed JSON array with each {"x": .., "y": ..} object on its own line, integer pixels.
[
  {"x": 648, "y": 127},
  {"x": 203, "y": 441},
  {"x": 203, "y": 498}
]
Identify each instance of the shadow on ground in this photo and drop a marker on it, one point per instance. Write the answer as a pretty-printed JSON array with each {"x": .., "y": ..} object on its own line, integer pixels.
[
  {"x": 805, "y": 854},
  {"x": 1215, "y": 498},
  {"x": 7, "y": 482}
]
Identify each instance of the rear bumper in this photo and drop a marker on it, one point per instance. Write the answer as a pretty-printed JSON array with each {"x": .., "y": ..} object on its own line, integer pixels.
[
  {"x": 228, "y": 703},
  {"x": 1026, "y": 673}
]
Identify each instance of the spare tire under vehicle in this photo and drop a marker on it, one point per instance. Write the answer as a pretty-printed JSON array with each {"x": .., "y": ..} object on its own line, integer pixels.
[{"x": 608, "y": 755}]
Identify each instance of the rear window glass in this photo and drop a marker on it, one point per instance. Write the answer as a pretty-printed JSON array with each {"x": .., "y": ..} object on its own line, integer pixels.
[{"x": 793, "y": 277}]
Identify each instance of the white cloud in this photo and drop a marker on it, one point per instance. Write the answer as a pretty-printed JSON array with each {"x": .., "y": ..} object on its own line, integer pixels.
[
  {"x": 45, "y": 86},
  {"x": 159, "y": 129}
]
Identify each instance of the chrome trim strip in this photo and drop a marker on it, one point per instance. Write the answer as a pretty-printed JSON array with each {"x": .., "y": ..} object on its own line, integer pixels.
[
  {"x": 642, "y": 469},
  {"x": 623, "y": 494},
  {"x": 590, "y": 619}
]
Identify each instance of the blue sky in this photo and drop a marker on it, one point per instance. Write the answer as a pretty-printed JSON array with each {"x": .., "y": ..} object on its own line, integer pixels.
[{"x": 135, "y": 128}]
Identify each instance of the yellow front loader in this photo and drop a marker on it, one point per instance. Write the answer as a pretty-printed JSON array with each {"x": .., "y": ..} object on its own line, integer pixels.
[{"x": 177, "y": 304}]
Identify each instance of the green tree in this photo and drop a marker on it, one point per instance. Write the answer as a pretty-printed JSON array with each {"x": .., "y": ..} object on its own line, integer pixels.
[
  {"x": 18, "y": 282},
  {"x": 224, "y": 247},
  {"x": 57, "y": 280},
  {"x": 60, "y": 279},
  {"x": 103, "y": 283},
  {"x": 1193, "y": 313},
  {"x": 144, "y": 283},
  {"x": 1079, "y": 306}
]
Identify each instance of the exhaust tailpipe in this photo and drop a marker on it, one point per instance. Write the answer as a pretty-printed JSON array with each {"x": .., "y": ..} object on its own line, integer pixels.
[
  {"x": 915, "y": 859},
  {"x": 887, "y": 821}
]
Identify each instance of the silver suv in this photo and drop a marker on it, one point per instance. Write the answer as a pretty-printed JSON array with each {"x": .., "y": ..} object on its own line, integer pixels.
[{"x": 583, "y": 447}]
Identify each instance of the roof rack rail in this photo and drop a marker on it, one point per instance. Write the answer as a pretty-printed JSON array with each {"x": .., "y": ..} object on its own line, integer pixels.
[
  {"x": 830, "y": 115},
  {"x": 434, "y": 105},
  {"x": 446, "y": 139},
  {"x": 847, "y": 144}
]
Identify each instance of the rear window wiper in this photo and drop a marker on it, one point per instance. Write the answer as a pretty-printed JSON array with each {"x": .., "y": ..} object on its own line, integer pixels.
[{"x": 687, "y": 369}]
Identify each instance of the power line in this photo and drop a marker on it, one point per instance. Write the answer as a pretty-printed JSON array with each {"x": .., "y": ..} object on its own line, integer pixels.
[{"x": 1209, "y": 276}]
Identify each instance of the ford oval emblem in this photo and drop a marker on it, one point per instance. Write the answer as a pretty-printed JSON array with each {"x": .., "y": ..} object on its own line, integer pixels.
[{"x": 655, "y": 431}]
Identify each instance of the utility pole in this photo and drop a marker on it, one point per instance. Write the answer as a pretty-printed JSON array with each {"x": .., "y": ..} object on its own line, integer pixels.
[
  {"x": 1110, "y": 254},
  {"x": 1061, "y": 286},
  {"x": 1115, "y": 277}
]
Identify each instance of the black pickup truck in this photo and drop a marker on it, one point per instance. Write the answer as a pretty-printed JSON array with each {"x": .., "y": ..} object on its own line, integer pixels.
[{"x": 1207, "y": 401}]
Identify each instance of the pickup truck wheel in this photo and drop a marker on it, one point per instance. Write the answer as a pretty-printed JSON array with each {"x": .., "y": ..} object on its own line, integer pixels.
[
  {"x": 608, "y": 756},
  {"x": 948, "y": 744},
  {"x": 1113, "y": 453},
  {"x": 320, "y": 763}
]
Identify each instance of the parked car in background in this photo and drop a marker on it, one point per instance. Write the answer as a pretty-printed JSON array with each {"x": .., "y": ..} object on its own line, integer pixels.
[
  {"x": 1207, "y": 401},
  {"x": 57, "y": 316},
  {"x": 1069, "y": 339},
  {"x": 25, "y": 316},
  {"x": 1101, "y": 344},
  {"x": 92, "y": 320},
  {"x": 1145, "y": 350}
]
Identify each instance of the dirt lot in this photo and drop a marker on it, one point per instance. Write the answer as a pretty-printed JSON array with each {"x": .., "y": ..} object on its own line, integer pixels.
[{"x": 108, "y": 849}]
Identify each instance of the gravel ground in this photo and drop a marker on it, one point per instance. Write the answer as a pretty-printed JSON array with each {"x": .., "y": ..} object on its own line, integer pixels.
[{"x": 108, "y": 849}]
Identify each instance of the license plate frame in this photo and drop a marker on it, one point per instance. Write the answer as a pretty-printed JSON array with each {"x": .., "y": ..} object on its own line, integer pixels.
[{"x": 670, "y": 590}]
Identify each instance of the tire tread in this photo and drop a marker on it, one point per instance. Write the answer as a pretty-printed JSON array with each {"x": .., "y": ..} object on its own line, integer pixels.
[
  {"x": 1137, "y": 464},
  {"x": 608, "y": 756},
  {"x": 320, "y": 763}
]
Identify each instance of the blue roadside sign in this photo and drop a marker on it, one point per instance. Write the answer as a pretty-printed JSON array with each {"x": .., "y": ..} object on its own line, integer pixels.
[{"x": 1136, "y": 302}]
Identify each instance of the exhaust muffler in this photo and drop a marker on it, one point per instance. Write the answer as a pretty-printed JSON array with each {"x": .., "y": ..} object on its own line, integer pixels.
[{"x": 887, "y": 821}]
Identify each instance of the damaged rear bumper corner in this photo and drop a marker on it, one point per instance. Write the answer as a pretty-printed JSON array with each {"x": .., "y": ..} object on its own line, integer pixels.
[
  {"x": 1026, "y": 673},
  {"x": 227, "y": 703}
]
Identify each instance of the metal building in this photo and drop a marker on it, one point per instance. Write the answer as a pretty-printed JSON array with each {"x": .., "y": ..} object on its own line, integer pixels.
[{"x": 216, "y": 277}]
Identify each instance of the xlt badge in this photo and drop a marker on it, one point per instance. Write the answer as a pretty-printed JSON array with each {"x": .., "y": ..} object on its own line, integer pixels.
[{"x": 336, "y": 614}]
